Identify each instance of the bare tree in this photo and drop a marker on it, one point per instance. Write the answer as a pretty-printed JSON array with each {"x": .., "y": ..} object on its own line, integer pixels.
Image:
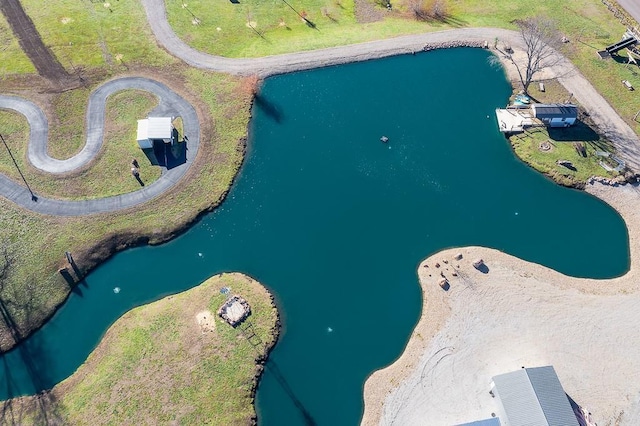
[{"x": 541, "y": 41}]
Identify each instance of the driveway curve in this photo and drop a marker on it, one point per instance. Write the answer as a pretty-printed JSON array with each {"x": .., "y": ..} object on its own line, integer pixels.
[
  {"x": 170, "y": 103},
  {"x": 603, "y": 115}
]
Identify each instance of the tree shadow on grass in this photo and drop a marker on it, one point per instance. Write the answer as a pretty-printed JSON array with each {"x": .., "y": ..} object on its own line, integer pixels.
[
  {"x": 445, "y": 18},
  {"x": 44, "y": 407}
]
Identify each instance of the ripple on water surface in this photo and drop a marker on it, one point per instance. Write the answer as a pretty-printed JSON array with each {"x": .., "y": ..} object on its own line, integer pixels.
[{"x": 335, "y": 222}]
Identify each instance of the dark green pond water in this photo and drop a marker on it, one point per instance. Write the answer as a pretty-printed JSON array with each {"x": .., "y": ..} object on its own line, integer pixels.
[{"x": 335, "y": 222}]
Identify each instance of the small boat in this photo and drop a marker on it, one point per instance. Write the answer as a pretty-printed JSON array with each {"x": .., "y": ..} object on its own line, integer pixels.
[
  {"x": 522, "y": 99},
  {"x": 384, "y": 139}
]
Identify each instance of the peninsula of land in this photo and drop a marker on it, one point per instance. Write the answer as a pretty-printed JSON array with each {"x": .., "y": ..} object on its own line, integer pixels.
[{"x": 517, "y": 314}]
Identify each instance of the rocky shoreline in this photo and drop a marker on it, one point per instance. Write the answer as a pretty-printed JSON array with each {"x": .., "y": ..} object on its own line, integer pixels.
[{"x": 452, "y": 44}]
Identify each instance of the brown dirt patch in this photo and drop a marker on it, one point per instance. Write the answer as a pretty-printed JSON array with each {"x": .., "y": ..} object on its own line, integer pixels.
[
  {"x": 206, "y": 320},
  {"x": 31, "y": 43},
  {"x": 367, "y": 12}
]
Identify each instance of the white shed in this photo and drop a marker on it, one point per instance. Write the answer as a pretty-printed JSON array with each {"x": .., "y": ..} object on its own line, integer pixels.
[
  {"x": 555, "y": 115},
  {"x": 152, "y": 129}
]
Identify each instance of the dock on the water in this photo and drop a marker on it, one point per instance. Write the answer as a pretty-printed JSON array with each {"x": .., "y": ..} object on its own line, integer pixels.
[{"x": 514, "y": 120}]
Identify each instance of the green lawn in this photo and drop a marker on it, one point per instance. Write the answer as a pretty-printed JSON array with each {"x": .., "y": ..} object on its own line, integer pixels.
[
  {"x": 110, "y": 173},
  {"x": 37, "y": 243},
  {"x": 542, "y": 148},
  {"x": 587, "y": 23},
  {"x": 89, "y": 34},
  {"x": 158, "y": 365},
  {"x": 98, "y": 42}
]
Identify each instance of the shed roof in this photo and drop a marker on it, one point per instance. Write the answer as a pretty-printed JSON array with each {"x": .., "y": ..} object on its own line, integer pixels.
[
  {"x": 554, "y": 110},
  {"x": 534, "y": 397},
  {"x": 159, "y": 128},
  {"x": 143, "y": 130}
]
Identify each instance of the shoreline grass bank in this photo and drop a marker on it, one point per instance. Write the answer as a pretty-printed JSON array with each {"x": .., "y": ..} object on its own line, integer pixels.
[
  {"x": 33, "y": 290},
  {"x": 209, "y": 370}
]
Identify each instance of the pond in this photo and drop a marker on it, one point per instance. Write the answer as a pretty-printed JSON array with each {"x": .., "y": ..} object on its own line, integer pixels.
[{"x": 335, "y": 222}]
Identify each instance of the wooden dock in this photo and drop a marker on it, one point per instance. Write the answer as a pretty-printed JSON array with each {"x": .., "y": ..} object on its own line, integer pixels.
[{"x": 514, "y": 120}]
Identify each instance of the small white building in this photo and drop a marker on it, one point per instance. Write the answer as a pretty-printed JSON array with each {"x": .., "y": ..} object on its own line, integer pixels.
[
  {"x": 155, "y": 129},
  {"x": 555, "y": 115}
]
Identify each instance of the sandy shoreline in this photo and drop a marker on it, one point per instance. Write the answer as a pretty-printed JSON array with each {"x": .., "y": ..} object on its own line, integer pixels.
[{"x": 518, "y": 314}]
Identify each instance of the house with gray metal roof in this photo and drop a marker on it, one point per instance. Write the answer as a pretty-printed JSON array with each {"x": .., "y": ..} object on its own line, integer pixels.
[
  {"x": 555, "y": 115},
  {"x": 533, "y": 397}
]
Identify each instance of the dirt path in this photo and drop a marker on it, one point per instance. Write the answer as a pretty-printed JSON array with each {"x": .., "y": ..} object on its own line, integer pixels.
[{"x": 31, "y": 43}]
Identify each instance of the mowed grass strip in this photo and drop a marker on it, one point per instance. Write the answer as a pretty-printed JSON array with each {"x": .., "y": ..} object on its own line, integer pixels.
[
  {"x": 12, "y": 59},
  {"x": 223, "y": 29},
  {"x": 158, "y": 365},
  {"x": 253, "y": 28},
  {"x": 110, "y": 173},
  {"x": 37, "y": 243},
  {"x": 86, "y": 35},
  {"x": 542, "y": 148}
]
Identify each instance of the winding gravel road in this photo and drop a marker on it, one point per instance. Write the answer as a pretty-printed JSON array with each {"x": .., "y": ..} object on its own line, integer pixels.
[{"x": 603, "y": 115}]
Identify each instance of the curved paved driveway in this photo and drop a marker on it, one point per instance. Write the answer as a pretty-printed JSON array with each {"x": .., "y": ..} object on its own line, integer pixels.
[
  {"x": 170, "y": 104},
  {"x": 604, "y": 116}
]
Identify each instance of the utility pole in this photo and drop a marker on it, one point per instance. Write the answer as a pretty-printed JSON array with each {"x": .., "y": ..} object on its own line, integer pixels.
[{"x": 33, "y": 196}]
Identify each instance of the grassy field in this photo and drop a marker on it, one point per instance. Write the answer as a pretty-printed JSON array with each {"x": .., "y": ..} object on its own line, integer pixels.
[
  {"x": 158, "y": 365},
  {"x": 110, "y": 173},
  {"x": 88, "y": 34},
  {"x": 97, "y": 41},
  {"x": 542, "y": 148},
  {"x": 37, "y": 243},
  {"x": 587, "y": 23}
]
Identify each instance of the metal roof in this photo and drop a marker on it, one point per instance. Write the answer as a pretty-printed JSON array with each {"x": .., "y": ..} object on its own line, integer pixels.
[
  {"x": 159, "y": 128},
  {"x": 143, "y": 130},
  {"x": 534, "y": 397},
  {"x": 554, "y": 110}
]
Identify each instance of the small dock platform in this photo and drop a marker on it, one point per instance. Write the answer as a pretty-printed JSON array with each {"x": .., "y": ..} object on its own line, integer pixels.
[{"x": 514, "y": 120}]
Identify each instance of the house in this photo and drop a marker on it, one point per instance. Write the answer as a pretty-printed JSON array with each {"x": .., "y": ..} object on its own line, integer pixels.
[
  {"x": 155, "y": 129},
  {"x": 533, "y": 397},
  {"x": 555, "y": 115}
]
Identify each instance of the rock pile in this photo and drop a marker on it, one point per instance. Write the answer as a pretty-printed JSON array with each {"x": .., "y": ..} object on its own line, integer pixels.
[
  {"x": 234, "y": 310},
  {"x": 614, "y": 181},
  {"x": 450, "y": 44}
]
